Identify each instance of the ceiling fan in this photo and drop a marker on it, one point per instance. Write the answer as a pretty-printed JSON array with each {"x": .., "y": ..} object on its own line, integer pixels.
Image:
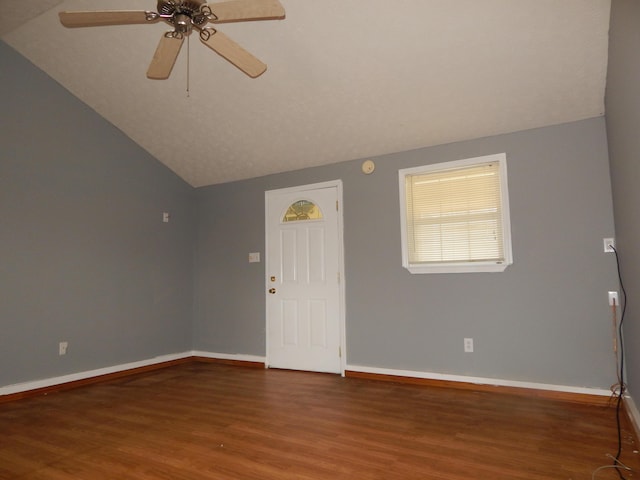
[{"x": 185, "y": 16}]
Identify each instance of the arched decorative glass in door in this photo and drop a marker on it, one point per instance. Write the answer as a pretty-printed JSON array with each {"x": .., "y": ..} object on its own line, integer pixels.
[{"x": 302, "y": 210}]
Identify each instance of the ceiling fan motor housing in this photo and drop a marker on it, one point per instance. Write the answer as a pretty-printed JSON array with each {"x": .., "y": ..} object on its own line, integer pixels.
[{"x": 183, "y": 13}]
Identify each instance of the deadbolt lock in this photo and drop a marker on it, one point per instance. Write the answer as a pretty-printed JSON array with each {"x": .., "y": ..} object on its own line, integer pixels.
[{"x": 273, "y": 279}]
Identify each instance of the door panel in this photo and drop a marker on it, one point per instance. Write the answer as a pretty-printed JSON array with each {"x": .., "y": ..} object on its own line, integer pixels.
[{"x": 303, "y": 291}]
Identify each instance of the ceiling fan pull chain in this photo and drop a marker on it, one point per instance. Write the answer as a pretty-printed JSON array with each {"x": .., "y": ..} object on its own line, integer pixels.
[{"x": 188, "y": 62}]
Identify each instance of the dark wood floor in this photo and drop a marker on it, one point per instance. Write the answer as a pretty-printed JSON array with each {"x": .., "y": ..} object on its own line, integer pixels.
[{"x": 202, "y": 421}]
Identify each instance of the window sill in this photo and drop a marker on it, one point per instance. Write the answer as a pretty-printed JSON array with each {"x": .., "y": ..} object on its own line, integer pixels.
[{"x": 457, "y": 268}]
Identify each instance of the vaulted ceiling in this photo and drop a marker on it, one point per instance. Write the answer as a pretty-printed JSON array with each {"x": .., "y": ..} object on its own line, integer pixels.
[{"x": 346, "y": 79}]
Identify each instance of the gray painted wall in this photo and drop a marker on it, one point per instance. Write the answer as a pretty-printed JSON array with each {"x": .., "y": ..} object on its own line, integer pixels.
[
  {"x": 623, "y": 122},
  {"x": 546, "y": 319},
  {"x": 85, "y": 256}
]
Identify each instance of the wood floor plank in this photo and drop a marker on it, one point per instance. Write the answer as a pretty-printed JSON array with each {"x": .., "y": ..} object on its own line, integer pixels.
[{"x": 207, "y": 421}]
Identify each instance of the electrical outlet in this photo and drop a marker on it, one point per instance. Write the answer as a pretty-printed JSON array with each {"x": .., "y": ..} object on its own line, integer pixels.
[
  {"x": 468, "y": 345},
  {"x": 608, "y": 243},
  {"x": 62, "y": 348},
  {"x": 613, "y": 296}
]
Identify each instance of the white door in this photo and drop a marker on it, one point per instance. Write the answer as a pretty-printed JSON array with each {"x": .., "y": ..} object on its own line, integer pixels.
[{"x": 303, "y": 268}]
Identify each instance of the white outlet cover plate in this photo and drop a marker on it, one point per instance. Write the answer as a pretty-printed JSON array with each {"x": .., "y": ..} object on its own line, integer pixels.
[{"x": 607, "y": 242}]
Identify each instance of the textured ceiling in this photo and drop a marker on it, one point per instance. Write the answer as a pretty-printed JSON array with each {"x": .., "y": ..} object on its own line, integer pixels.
[
  {"x": 15, "y": 13},
  {"x": 346, "y": 79}
]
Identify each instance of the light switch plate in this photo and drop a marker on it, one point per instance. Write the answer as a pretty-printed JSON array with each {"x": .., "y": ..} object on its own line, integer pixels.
[{"x": 254, "y": 257}]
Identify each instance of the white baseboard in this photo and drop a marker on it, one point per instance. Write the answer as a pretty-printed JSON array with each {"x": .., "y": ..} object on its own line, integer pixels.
[
  {"x": 634, "y": 414},
  {"x": 229, "y": 356},
  {"x": 479, "y": 380},
  {"x": 73, "y": 377},
  {"x": 49, "y": 382}
]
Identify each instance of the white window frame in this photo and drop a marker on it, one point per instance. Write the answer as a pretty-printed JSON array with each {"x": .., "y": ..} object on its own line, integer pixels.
[{"x": 459, "y": 267}]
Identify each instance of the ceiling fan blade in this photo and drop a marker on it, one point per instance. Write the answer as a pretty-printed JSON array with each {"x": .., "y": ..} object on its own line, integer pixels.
[
  {"x": 234, "y": 53},
  {"x": 164, "y": 58},
  {"x": 245, "y": 10},
  {"x": 98, "y": 19}
]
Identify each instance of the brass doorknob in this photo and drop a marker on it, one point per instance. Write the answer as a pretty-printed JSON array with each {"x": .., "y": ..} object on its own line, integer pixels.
[{"x": 272, "y": 290}]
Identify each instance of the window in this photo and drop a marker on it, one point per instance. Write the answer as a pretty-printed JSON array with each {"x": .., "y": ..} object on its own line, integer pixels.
[
  {"x": 455, "y": 216},
  {"x": 302, "y": 210}
]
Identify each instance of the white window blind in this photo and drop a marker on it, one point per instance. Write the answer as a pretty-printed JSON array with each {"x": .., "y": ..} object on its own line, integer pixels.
[{"x": 455, "y": 215}]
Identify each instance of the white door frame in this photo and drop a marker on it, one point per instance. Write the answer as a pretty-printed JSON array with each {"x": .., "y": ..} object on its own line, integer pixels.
[{"x": 341, "y": 301}]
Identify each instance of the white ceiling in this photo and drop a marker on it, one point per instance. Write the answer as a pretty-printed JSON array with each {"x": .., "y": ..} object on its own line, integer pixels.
[{"x": 346, "y": 79}]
